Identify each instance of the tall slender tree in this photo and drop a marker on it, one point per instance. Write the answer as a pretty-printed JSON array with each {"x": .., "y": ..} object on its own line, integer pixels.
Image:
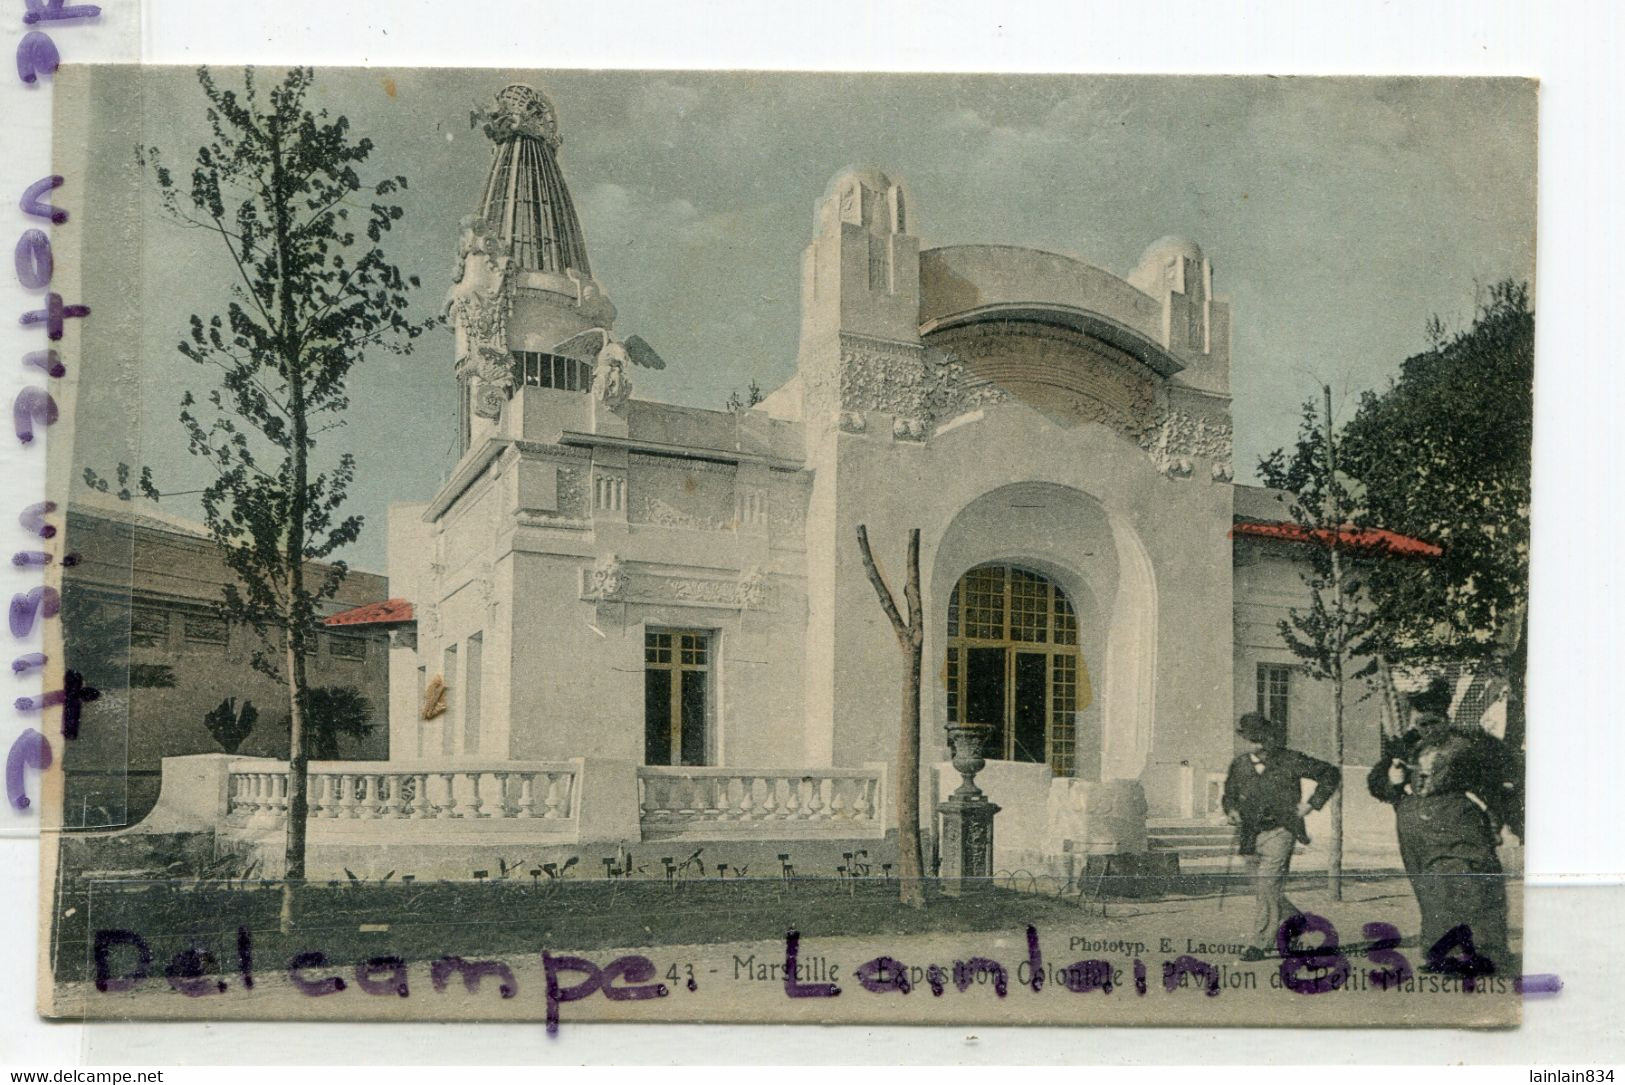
[
  {"x": 911, "y": 640},
  {"x": 310, "y": 292},
  {"x": 1335, "y": 635}
]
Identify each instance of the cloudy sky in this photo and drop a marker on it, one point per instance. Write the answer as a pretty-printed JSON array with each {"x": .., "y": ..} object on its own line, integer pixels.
[{"x": 1338, "y": 214}]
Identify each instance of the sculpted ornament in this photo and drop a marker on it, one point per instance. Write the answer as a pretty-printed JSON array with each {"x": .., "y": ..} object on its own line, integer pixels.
[
  {"x": 753, "y": 588},
  {"x": 608, "y": 578},
  {"x": 908, "y": 429},
  {"x": 477, "y": 304}
]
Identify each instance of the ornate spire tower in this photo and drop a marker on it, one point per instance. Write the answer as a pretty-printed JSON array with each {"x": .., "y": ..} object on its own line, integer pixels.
[
  {"x": 523, "y": 283},
  {"x": 526, "y": 203}
]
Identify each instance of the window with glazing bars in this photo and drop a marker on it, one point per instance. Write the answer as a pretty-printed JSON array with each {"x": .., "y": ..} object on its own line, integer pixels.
[
  {"x": 1275, "y": 692},
  {"x": 538, "y": 369},
  {"x": 676, "y": 692}
]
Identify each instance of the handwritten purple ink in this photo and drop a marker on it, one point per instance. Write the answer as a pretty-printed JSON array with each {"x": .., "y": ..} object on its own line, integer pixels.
[
  {"x": 473, "y": 972},
  {"x": 315, "y": 988},
  {"x": 793, "y": 988},
  {"x": 52, "y": 316},
  {"x": 394, "y": 968},
  {"x": 32, "y": 661},
  {"x": 36, "y": 56},
  {"x": 57, "y": 10},
  {"x": 33, "y": 519},
  {"x": 102, "y": 947},
  {"x": 1538, "y": 984},
  {"x": 33, "y": 406},
  {"x": 46, "y": 360},
  {"x": 189, "y": 971},
  {"x": 965, "y": 973},
  {"x": 29, "y": 750},
  {"x": 33, "y": 259},
  {"x": 31, "y": 203},
  {"x": 1035, "y": 960},
  {"x": 883, "y": 974}
]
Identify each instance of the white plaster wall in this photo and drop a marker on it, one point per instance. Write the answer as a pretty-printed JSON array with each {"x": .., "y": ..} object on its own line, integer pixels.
[{"x": 1179, "y": 526}]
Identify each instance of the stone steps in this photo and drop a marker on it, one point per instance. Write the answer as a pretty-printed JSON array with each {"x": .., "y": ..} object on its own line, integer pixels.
[{"x": 1202, "y": 846}]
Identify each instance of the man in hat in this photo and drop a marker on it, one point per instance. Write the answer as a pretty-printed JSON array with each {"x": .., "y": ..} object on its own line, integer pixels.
[
  {"x": 1449, "y": 807},
  {"x": 1263, "y": 798}
]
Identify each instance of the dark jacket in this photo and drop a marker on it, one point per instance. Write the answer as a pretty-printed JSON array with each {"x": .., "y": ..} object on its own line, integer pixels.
[
  {"x": 1458, "y": 761},
  {"x": 1269, "y": 799}
]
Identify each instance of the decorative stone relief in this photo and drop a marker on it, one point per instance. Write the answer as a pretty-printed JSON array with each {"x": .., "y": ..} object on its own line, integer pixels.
[
  {"x": 478, "y": 302},
  {"x": 608, "y": 579},
  {"x": 1089, "y": 380},
  {"x": 489, "y": 399},
  {"x": 681, "y": 493},
  {"x": 877, "y": 375},
  {"x": 753, "y": 588},
  {"x": 1185, "y": 430},
  {"x": 909, "y": 429}
]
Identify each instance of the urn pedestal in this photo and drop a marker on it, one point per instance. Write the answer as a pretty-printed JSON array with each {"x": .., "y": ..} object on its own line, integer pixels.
[{"x": 966, "y": 816}]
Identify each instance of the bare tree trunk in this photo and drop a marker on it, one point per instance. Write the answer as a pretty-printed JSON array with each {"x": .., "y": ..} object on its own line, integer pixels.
[
  {"x": 911, "y": 639},
  {"x": 1334, "y": 861},
  {"x": 298, "y": 783}
]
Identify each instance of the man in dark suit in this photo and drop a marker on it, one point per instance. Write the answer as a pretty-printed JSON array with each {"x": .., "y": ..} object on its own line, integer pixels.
[
  {"x": 1447, "y": 789},
  {"x": 1263, "y": 798}
]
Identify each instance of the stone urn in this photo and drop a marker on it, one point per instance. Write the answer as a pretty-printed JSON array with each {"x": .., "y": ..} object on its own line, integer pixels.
[
  {"x": 967, "y": 815},
  {"x": 967, "y": 740}
]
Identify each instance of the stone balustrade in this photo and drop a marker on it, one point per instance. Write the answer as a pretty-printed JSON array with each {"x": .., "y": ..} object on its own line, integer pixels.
[
  {"x": 257, "y": 792},
  {"x": 691, "y": 802}
]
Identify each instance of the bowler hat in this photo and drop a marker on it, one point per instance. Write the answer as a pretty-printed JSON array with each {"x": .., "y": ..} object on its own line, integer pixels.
[{"x": 1256, "y": 727}]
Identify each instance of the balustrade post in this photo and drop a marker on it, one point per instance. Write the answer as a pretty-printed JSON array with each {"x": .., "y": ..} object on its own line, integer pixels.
[
  {"x": 349, "y": 783},
  {"x": 449, "y": 808},
  {"x": 476, "y": 803},
  {"x": 527, "y": 794},
  {"x": 422, "y": 806}
]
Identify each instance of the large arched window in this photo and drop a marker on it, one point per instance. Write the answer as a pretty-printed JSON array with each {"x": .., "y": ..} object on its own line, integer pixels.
[{"x": 1013, "y": 662}]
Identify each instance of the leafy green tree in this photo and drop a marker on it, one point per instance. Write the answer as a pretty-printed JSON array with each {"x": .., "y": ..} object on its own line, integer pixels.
[
  {"x": 310, "y": 292},
  {"x": 1444, "y": 455},
  {"x": 1336, "y": 635}
]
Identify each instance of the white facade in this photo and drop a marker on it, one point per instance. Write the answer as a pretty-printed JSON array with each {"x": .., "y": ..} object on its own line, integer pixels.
[{"x": 1062, "y": 427}]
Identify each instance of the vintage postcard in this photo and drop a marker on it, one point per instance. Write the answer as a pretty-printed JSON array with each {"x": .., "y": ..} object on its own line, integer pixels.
[{"x": 789, "y": 547}]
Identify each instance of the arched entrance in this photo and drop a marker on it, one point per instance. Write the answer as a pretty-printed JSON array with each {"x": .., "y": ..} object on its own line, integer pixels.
[{"x": 1013, "y": 661}]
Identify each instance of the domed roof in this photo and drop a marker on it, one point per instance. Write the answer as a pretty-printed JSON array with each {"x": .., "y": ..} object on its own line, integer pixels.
[
  {"x": 868, "y": 175},
  {"x": 1171, "y": 245}
]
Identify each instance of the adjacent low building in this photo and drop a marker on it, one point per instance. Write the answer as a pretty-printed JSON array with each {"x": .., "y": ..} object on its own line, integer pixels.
[{"x": 143, "y": 628}]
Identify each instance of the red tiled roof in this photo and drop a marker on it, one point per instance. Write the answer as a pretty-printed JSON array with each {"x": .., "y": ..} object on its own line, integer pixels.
[
  {"x": 389, "y": 612},
  {"x": 1369, "y": 539}
]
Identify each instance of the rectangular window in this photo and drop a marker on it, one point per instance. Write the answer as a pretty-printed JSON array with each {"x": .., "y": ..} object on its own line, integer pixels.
[
  {"x": 1274, "y": 692},
  {"x": 149, "y": 626},
  {"x": 204, "y": 629},
  {"x": 471, "y": 700},
  {"x": 353, "y": 648},
  {"x": 676, "y": 697}
]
